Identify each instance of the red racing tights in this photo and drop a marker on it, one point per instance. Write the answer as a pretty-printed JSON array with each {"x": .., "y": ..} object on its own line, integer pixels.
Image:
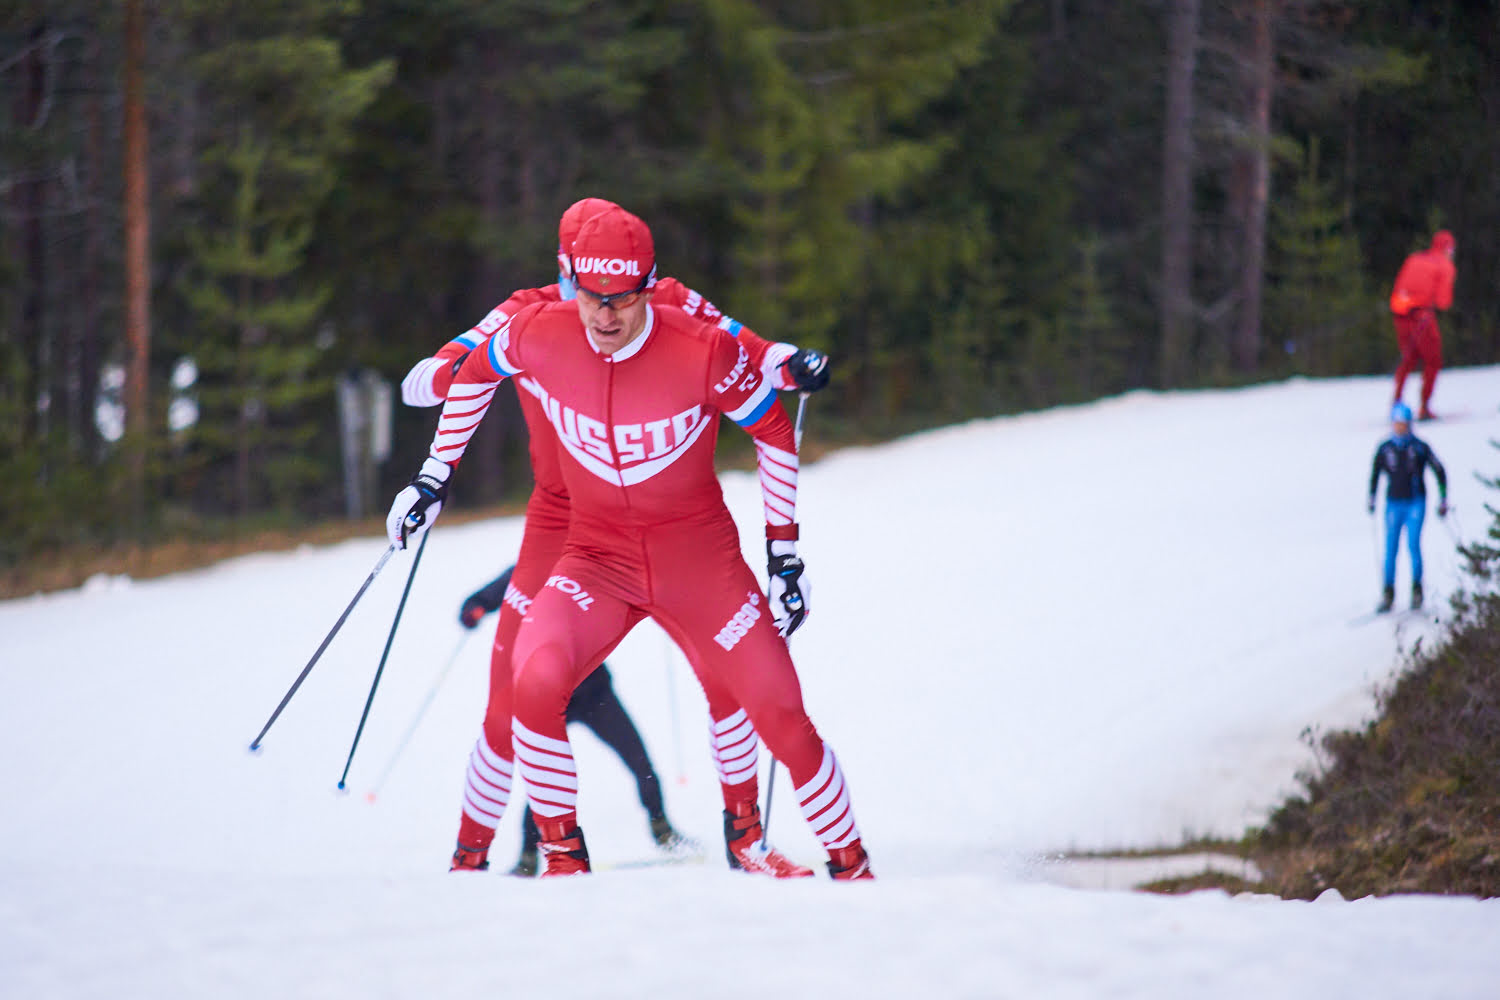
[
  {"x": 1421, "y": 343},
  {"x": 490, "y": 772},
  {"x": 688, "y": 576}
]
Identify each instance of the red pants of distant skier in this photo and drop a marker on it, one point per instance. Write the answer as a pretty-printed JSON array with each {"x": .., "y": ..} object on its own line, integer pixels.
[
  {"x": 1421, "y": 343},
  {"x": 689, "y": 577},
  {"x": 487, "y": 784}
]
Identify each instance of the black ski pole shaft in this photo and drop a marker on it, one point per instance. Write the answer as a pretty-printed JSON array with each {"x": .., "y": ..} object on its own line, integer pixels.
[
  {"x": 765, "y": 820},
  {"x": 416, "y": 720},
  {"x": 390, "y": 550},
  {"x": 381, "y": 668}
]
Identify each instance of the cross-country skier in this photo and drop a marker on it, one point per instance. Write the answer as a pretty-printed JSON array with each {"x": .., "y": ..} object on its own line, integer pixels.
[
  {"x": 1404, "y": 459},
  {"x": 635, "y": 392},
  {"x": 595, "y": 705},
  {"x": 1423, "y": 286},
  {"x": 733, "y": 739}
]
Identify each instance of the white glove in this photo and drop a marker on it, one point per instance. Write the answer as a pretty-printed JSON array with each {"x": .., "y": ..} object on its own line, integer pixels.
[
  {"x": 790, "y": 590},
  {"x": 417, "y": 506},
  {"x": 417, "y": 388}
]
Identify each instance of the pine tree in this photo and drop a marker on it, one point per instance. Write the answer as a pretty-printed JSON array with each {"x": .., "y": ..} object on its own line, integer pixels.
[
  {"x": 1319, "y": 308},
  {"x": 291, "y": 103}
]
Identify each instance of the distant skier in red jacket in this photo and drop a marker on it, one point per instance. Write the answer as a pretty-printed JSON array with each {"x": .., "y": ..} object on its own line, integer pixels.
[{"x": 1423, "y": 286}]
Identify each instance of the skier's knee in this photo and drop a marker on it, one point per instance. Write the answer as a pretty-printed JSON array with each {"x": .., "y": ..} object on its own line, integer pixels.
[{"x": 542, "y": 681}]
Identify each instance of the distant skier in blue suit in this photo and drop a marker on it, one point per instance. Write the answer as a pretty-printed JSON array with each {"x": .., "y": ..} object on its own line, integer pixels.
[{"x": 1404, "y": 459}]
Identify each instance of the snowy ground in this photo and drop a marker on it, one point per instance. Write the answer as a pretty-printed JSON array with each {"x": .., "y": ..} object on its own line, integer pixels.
[{"x": 1095, "y": 627}]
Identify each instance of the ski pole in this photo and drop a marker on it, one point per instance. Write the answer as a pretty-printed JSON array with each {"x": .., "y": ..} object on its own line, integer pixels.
[
  {"x": 1455, "y": 530},
  {"x": 381, "y": 668},
  {"x": 666, "y": 648},
  {"x": 416, "y": 721},
  {"x": 765, "y": 820},
  {"x": 255, "y": 743}
]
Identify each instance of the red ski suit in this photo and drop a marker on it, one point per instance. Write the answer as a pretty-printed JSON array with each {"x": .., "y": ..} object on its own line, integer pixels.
[
  {"x": 734, "y": 741},
  {"x": 649, "y": 534},
  {"x": 1423, "y": 286}
]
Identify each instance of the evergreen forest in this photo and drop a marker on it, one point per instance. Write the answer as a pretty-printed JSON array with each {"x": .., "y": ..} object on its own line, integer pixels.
[{"x": 228, "y": 228}]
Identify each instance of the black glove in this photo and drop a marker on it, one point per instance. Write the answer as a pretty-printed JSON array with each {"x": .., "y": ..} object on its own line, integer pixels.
[
  {"x": 788, "y": 591},
  {"x": 418, "y": 505},
  {"x": 808, "y": 369},
  {"x": 1370, "y": 506},
  {"x": 472, "y": 612},
  {"x": 1442, "y": 510}
]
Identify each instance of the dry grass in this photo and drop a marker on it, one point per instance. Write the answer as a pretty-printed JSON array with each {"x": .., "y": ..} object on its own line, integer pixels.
[
  {"x": 1411, "y": 803},
  {"x": 64, "y": 570}
]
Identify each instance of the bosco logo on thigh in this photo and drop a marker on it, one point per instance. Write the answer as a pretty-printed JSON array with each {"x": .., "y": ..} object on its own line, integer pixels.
[{"x": 739, "y": 626}]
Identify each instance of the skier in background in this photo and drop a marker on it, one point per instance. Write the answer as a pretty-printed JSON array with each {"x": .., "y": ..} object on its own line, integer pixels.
[
  {"x": 594, "y": 704},
  {"x": 1423, "y": 286},
  {"x": 1404, "y": 459}
]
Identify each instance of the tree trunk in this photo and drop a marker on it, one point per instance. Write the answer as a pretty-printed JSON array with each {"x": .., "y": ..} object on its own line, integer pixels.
[
  {"x": 137, "y": 256},
  {"x": 90, "y": 293},
  {"x": 488, "y": 475},
  {"x": 30, "y": 203},
  {"x": 1247, "y": 338},
  {"x": 1177, "y": 195}
]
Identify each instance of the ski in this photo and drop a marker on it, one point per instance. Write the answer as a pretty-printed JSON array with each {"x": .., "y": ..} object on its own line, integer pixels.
[
  {"x": 663, "y": 861},
  {"x": 1396, "y": 616}
]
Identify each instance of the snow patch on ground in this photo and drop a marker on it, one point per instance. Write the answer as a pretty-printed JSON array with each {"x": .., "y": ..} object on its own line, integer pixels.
[{"x": 1096, "y": 627}]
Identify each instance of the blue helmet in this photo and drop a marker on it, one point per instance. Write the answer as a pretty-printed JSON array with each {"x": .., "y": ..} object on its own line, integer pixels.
[{"x": 1401, "y": 414}]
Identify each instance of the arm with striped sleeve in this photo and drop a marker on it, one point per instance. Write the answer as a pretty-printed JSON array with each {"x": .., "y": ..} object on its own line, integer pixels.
[
  {"x": 473, "y": 387},
  {"x": 469, "y": 396},
  {"x": 742, "y": 393},
  {"x": 746, "y": 397},
  {"x": 427, "y": 382}
]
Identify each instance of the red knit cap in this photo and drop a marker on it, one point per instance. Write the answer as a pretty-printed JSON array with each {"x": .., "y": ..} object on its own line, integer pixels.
[
  {"x": 614, "y": 253},
  {"x": 573, "y": 219}
]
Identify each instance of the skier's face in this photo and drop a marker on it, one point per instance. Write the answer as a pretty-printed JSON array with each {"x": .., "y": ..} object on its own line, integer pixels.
[{"x": 614, "y": 324}]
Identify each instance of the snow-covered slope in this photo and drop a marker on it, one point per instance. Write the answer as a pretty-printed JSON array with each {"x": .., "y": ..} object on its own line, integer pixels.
[{"x": 1099, "y": 626}]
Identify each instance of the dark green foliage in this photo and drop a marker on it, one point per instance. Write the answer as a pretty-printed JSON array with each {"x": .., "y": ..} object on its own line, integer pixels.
[
  {"x": 959, "y": 199},
  {"x": 1320, "y": 311}
]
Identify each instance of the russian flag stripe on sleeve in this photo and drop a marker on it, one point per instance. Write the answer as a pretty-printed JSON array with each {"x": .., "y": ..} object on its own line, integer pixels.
[
  {"x": 731, "y": 326},
  {"x": 755, "y": 407},
  {"x": 499, "y": 361}
]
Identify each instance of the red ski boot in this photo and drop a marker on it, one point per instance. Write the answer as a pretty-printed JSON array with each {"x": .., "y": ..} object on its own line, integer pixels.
[
  {"x": 562, "y": 849},
  {"x": 469, "y": 859},
  {"x": 746, "y": 852},
  {"x": 845, "y": 864}
]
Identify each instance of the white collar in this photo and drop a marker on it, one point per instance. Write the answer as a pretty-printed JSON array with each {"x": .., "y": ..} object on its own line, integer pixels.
[{"x": 631, "y": 349}]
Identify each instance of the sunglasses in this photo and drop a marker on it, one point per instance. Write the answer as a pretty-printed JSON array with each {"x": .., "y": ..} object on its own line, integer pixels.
[{"x": 619, "y": 300}]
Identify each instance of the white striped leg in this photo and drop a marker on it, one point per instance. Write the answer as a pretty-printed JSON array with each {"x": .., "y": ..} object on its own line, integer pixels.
[
  {"x": 825, "y": 804},
  {"x": 736, "y": 747},
  {"x": 487, "y": 785},
  {"x": 548, "y": 768}
]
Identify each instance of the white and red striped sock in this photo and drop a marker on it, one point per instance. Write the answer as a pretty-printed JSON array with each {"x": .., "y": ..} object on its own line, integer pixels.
[
  {"x": 549, "y": 771},
  {"x": 825, "y": 804},
  {"x": 487, "y": 786},
  {"x": 736, "y": 750}
]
